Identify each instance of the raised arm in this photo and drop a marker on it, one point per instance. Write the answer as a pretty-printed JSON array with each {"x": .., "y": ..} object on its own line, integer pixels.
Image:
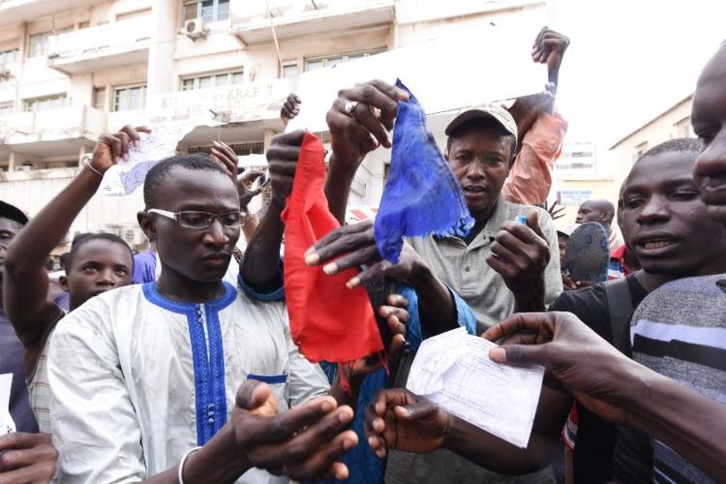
[
  {"x": 624, "y": 391},
  {"x": 26, "y": 280},
  {"x": 549, "y": 48},
  {"x": 359, "y": 122}
]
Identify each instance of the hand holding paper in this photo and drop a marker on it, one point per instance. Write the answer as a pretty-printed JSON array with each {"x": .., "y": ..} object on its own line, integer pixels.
[{"x": 454, "y": 371}]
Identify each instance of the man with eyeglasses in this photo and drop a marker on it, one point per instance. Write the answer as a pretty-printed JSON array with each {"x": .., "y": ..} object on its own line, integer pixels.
[{"x": 144, "y": 379}]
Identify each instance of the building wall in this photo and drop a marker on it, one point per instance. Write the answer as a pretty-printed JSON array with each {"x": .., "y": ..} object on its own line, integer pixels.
[
  {"x": 123, "y": 43},
  {"x": 674, "y": 123}
]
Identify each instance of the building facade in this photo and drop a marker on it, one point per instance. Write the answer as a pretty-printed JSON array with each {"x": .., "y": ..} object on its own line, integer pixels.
[{"x": 73, "y": 69}]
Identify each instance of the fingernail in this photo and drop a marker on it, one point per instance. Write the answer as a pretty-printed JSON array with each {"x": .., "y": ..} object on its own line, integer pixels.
[
  {"x": 352, "y": 283},
  {"x": 326, "y": 406},
  {"x": 312, "y": 258},
  {"x": 126, "y": 157},
  {"x": 330, "y": 269},
  {"x": 498, "y": 355},
  {"x": 348, "y": 444},
  {"x": 344, "y": 417},
  {"x": 372, "y": 441}
]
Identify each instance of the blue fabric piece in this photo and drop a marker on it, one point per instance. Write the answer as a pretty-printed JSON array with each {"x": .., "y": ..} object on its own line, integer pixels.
[
  {"x": 421, "y": 196},
  {"x": 364, "y": 466},
  {"x": 209, "y": 382}
]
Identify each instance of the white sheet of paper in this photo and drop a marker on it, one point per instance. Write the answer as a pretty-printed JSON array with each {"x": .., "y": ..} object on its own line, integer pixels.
[
  {"x": 453, "y": 370},
  {"x": 7, "y": 424},
  {"x": 442, "y": 74},
  {"x": 126, "y": 176}
]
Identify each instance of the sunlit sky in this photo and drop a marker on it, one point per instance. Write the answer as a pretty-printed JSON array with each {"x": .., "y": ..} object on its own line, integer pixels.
[{"x": 630, "y": 60}]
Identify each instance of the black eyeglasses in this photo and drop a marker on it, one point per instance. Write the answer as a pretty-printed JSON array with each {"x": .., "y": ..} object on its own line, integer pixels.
[{"x": 199, "y": 220}]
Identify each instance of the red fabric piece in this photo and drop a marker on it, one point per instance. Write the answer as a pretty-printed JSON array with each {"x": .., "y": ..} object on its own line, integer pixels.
[{"x": 328, "y": 321}]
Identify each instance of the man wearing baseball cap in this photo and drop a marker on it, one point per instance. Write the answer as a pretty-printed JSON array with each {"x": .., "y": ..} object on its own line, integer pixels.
[{"x": 27, "y": 455}]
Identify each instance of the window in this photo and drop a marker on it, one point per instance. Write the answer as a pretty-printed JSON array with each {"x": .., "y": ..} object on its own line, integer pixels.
[
  {"x": 45, "y": 43},
  {"x": 314, "y": 63},
  {"x": 207, "y": 10},
  {"x": 240, "y": 149},
  {"x": 290, "y": 70},
  {"x": 6, "y": 109},
  {"x": 212, "y": 80},
  {"x": 127, "y": 98},
  {"x": 683, "y": 128},
  {"x": 45, "y": 103},
  {"x": 8, "y": 56},
  {"x": 577, "y": 157}
]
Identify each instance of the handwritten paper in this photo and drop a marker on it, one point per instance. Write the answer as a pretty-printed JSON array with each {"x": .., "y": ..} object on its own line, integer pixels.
[
  {"x": 454, "y": 371},
  {"x": 7, "y": 424},
  {"x": 127, "y": 175}
]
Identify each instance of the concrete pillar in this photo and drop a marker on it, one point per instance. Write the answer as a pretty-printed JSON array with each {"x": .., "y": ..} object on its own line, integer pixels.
[
  {"x": 267, "y": 138},
  {"x": 11, "y": 162},
  {"x": 81, "y": 151},
  {"x": 160, "y": 77},
  {"x": 82, "y": 90}
]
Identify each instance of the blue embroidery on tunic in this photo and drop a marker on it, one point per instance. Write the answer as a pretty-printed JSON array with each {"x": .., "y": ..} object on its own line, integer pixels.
[{"x": 209, "y": 381}]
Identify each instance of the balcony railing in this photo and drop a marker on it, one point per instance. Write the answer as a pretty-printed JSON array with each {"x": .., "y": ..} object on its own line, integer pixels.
[
  {"x": 115, "y": 44},
  {"x": 71, "y": 122},
  {"x": 291, "y": 18}
]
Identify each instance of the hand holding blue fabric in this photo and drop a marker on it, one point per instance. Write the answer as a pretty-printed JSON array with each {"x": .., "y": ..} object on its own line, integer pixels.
[{"x": 421, "y": 197}]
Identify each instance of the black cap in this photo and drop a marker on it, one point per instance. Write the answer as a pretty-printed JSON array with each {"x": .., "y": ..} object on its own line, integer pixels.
[{"x": 11, "y": 212}]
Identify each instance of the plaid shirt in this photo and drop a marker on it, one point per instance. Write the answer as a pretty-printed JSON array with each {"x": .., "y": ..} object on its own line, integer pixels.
[{"x": 464, "y": 269}]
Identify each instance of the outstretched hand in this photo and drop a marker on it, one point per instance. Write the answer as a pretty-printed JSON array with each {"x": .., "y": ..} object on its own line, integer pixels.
[
  {"x": 355, "y": 246},
  {"x": 398, "y": 419},
  {"x": 303, "y": 443},
  {"x": 589, "y": 368},
  {"x": 554, "y": 211}
]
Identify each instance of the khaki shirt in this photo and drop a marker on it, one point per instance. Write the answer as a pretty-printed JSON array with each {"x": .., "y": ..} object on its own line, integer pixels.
[{"x": 465, "y": 270}]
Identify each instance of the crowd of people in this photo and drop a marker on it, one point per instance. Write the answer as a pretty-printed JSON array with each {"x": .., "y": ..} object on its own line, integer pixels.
[{"x": 178, "y": 364}]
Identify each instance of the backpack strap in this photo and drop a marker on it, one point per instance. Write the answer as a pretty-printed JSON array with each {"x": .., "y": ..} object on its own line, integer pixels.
[{"x": 620, "y": 305}]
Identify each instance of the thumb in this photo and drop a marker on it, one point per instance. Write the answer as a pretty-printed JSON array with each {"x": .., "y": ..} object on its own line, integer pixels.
[
  {"x": 533, "y": 223},
  {"x": 519, "y": 355},
  {"x": 420, "y": 410},
  {"x": 253, "y": 394}
]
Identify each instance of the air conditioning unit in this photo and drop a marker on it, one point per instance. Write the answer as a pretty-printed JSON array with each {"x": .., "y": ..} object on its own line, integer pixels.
[{"x": 195, "y": 29}]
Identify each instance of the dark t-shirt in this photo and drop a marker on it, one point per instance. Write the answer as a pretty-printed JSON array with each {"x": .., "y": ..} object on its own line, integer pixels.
[
  {"x": 11, "y": 361},
  {"x": 601, "y": 446}
]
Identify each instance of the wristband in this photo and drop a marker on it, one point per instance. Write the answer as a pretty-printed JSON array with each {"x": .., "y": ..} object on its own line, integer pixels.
[{"x": 184, "y": 461}]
